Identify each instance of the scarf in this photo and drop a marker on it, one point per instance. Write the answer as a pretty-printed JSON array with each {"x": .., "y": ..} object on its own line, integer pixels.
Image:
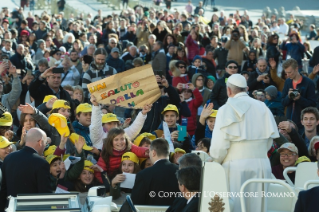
[{"x": 265, "y": 72}]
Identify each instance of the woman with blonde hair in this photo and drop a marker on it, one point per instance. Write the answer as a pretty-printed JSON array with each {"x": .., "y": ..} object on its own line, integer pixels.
[
  {"x": 77, "y": 46},
  {"x": 68, "y": 40},
  {"x": 58, "y": 40},
  {"x": 308, "y": 51},
  {"x": 243, "y": 33}
]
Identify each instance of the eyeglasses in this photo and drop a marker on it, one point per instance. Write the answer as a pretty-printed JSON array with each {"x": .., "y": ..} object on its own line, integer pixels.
[
  {"x": 287, "y": 155},
  {"x": 58, "y": 54},
  {"x": 199, "y": 79},
  {"x": 181, "y": 66},
  {"x": 232, "y": 67}
]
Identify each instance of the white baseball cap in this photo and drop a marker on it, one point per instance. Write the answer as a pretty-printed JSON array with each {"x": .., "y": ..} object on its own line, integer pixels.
[{"x": 237, "y": 80}]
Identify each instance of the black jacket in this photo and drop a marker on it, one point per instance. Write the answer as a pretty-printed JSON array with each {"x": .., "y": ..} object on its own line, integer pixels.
[
  {"x": 253, "y": 84},
  {"x": 157, "y": 179},
  {"x": 210, "y": 68},
  {"x": 24, "y": 172},
  {"x": 219, "y": 93},
  {"x": 307, "y": 200},
  {"x": 20, "y": 62},
  {"x": 180, "y": 205},
  {"x": 221, "y": 55},
  {"x": 273, "y": 52}
]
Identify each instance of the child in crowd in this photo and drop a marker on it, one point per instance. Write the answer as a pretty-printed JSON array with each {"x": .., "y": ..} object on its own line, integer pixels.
[
  {"x": 197, "y": 67},
  {"x": 179, "y": 72},
  {"x": 110, "y": 121},
  {"x": 114, "y": 146},
  {"x": 78, "y": 93},
  {"x": 144, "y": 140},
  {"x": 178, "y": 152},
  {"x": 129, "y": 164}
]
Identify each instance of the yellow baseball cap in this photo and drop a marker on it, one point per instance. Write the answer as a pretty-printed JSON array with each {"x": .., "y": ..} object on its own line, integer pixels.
[
  {"x": 109, "y": 117},
  {"x": 48, "y": 98},
  {"x": 84, "y": 108},
  {"x": 170, "y": 107},
  {"x": 75, "y": 137},
  {"x": 214, "y": 114},
  {"x": 87, "y": 165},
  {"x": 61, "y": 104},
  {"x": 49, "y": 151},
  {"x": 6, "y": 120},
  {"x": 179, "y": 150},
  {"x": 302, "y": 159},
  {"x": 130, "y": 156},
  {"x": 4, "y": 142},
  {"x": 50, "y": 158},
  {"x": 139, "y": 138},
  {"x": 60, "y": 123}
]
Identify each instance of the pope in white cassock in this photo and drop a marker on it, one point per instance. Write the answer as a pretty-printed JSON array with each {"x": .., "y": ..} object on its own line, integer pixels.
[{"x": 243, "y": 134}]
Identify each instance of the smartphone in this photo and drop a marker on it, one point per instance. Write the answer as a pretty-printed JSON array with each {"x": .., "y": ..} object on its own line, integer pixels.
[
  {"x": 29, "y": 72},
  {"x": 58, "y": 70},
  {"x": 18, "y": 71},
  {"x": 182, "y": 132},
  {"x": 259, "y": 93},
  {"x": 5, "y": 60},
  {"x": 185, "y": 86},
  {"x": 264, "y": 74}
]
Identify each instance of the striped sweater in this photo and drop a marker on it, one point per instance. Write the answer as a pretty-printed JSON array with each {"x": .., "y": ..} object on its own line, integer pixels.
[{"x": 93, "y": 75}]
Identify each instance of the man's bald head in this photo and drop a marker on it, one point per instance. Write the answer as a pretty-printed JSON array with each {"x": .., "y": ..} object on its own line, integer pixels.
[{"x": 37, "y": 139}]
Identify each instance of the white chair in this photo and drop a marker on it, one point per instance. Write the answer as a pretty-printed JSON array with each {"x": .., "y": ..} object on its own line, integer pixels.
[
  {"x": 304, "y": 172},
  {"x": 213, "y": 180},
  {"x": 275, "y": 202},
  {"x": 311, "y": 182}
]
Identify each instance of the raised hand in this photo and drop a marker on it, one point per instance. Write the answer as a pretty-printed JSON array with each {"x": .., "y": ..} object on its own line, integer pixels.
[
  {"x": 26, "y": 109},
  {"x": 79, "y": 144},
  {"x": 146, "y": 108},
  {"x": 93, "y": 100}
]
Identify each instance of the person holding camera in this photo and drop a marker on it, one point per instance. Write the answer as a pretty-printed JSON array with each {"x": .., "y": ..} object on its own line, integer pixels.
[
  {"x": 298, "y": 92},
  {"x": 235, "y": 47},
  {"x": 260, "y": 77}
]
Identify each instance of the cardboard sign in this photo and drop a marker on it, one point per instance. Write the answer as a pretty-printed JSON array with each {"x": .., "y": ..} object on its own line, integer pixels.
[{"x": 130, "y": 89}]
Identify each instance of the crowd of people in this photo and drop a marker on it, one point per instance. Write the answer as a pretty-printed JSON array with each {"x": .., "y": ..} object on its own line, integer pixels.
[{"x": 47, "y": 115}]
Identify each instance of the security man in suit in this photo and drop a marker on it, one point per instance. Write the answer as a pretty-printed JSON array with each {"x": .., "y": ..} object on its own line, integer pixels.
[
  {"x": 25, "y": 171},
  {"x": 156, "y": 185},
  {"x": 189, "y": 185}
]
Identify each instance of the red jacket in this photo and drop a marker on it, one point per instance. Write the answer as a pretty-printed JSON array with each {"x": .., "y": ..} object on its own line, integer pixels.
[
  {"x": 192, "y": 48},
  {"x": 115, "y": 160},
  {"x": 193, "y": 106},
  {"x": 182, "y": 80}
]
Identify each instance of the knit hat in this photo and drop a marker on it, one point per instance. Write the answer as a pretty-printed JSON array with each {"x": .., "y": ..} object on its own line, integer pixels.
[
  {"x": 271, "y": 91},
  {"x": 229, "y": 62},
  {"x": 130, "y": 156},
  {"x": 62, "y": 49},
  {"x": 212, "y": 78},
  {"x": 24, "y": 32},
  {"x": 197, "y": 57}
]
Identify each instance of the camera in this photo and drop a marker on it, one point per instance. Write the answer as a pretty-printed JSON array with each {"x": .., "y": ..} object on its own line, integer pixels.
[{"x": 294, "y": 93}]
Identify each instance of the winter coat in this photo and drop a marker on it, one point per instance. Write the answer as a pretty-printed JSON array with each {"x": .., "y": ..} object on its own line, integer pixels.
[
  {"x": 295, "y": 50},
  {"x": 116, "y": 63},
  {"x": 193, "y": 105},
  {"x": 115, "y": 160},
  {"x": 180, "y": 79},
  {"x": 83, "y": 131},
  {"x": 192, "y": 48},
  {"x": 204, "y": 91},
  {"x": 275, "y": 105},
  {"x": 219, "y": 93},
  {"x": 272, "y": 52},
  {"x": 142, "y": 36},
  {"x": 253, "y": 84}
]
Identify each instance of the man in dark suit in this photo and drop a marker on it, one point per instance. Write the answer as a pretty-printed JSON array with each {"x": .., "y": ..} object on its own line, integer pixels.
[
  {"x": 189, "y": 185},
  {"x": 25, "y": 171},
  {"x": 307, "y": 200},
  {"x": 154, "y": 184}
]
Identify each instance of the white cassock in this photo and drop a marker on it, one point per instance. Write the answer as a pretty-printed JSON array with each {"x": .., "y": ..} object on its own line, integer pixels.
[{"x": 243, "y": 134}]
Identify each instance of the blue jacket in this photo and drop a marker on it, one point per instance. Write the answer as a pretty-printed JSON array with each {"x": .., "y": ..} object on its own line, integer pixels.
[
  {"x": 275, "y": 106},
  {"x": 295, "y": 50},
  {"x": 83, "y": 131},
  {"x": 118, "y": 63},
  {"x": 307, "y": 99}
]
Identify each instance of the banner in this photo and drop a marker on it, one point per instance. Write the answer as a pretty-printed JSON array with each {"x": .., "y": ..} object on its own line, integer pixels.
[{"x": 130, "y": 89}]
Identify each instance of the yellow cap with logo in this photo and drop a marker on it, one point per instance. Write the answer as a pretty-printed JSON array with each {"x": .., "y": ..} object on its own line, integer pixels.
[
  {"x": 109, "y": 117},
  {"x": 302, "y": 159},
  {"x": 49, "y": 151},
  {"x": 75, "y": 137},
  {"x": 214, "y": 114},
  {"x": 139, "y": 138},
  {"x": 60, "y": 123},
  {"x": 83, "y": 108},
  {"x": 48, "y": 98},
  {"x": 6, "y": 120},
  {"x": 170, "y": 107},
  {"x": 50, "y": 158},
  {"x": 87, "y": 165},
  {"x": 4, "y": 142},
  {"x": 130, "y": 156},
  {"x": 61, "y": 104}
]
